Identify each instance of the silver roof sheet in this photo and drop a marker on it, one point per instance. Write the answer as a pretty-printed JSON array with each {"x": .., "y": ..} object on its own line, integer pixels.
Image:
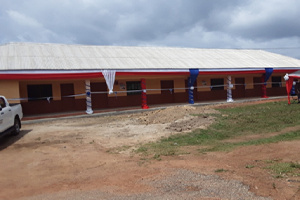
[{"x": 37, "y": 56}]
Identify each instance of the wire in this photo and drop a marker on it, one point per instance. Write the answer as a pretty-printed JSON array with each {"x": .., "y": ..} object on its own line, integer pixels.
[{"x": 132, "y": 91}]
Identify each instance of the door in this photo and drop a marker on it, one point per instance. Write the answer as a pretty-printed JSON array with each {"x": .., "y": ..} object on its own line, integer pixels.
[
  {"x": 240, "y": 89},
  {"x": 5, "y": 115},
  {"x": 167, "y": 91},
  {"x": 257, "y": 86},
  {"x": 68, "y": 103},
  {"x": 100, "y": 99}
]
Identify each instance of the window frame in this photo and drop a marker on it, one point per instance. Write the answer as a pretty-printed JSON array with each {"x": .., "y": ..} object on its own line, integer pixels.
[
  {"x": 2, "y": 102},
  {"x": 276, "y": 83},
  {"x": 219, "y": 85},
  {"x": 37, "y": 92},
  {"x": 133, "y": 85}
]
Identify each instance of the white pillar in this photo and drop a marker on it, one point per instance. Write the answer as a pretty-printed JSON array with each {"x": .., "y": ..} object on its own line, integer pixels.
[
  {"x": 229, "y": 87},
  {"x": 88, "y": 97}
]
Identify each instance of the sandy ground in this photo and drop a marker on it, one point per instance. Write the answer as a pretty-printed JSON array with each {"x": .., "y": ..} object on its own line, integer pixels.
[{"x": 91, "y": 158}]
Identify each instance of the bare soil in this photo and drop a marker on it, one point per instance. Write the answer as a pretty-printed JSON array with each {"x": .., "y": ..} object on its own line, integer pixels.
[{"x": 92, "y": 158}]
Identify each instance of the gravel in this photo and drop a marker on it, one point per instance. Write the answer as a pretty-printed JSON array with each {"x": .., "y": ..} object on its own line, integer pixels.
[{"x": 181, "y": 184}]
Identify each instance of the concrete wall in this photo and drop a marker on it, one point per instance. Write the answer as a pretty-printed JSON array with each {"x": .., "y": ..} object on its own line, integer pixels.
[
  {"x": 10, "y": 89},
  {"x": 15, "y": 89}
]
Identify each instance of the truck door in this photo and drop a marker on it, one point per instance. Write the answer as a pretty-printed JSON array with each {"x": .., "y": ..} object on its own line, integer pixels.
[{"x": 5, "y": 115}]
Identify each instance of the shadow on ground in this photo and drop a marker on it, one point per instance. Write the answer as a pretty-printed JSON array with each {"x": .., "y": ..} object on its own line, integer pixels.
[{"x": 9, "y": 140}]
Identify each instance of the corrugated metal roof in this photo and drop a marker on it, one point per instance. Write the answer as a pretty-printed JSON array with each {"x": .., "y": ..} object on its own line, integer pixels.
[{"x": 36, "y": 56}]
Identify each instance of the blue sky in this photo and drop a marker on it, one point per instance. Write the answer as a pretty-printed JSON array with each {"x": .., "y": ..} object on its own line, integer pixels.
[{"x": 272, "y": 25}]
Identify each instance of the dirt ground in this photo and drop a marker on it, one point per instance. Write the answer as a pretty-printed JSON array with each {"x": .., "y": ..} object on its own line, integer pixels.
[{"x": 92, "y": 158}]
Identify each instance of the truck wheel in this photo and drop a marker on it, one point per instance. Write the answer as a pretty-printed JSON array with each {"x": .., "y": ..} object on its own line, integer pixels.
[{"x": 17, "y": 126}]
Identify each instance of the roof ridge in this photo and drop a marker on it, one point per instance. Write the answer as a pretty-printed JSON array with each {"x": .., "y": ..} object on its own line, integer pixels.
[{"x": 120, "y": 46}]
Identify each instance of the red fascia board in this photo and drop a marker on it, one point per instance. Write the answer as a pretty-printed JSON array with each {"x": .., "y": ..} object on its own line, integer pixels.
[
  {"x": 49, "y": 76},
  {"x": 245, "y": 72},
  {"x": 151, "y": 73},
  {"x": 284, "y": 71},
  {"x": 203, "y": 72},
  {"x": 86, "y": 75},
  {"x": 231, "y": 72}
]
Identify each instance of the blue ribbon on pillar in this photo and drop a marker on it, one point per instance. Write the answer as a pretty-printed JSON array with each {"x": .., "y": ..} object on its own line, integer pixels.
[
  {"x": 293, "y": 91},
  {"x": 191, "y": 80},
  {"x": 269, "y": 72}
]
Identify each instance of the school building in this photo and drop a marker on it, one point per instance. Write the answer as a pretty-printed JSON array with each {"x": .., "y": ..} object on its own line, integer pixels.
[{"x": 53, "y": 78}]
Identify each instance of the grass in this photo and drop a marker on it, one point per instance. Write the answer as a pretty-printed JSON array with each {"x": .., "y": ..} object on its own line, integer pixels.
[
  {"x": 278, "y": 138},
  {"x": 284, "y": 169},
  {"x": 221, "y": 170},
  {"x": 118, "y": 149},
  {"x": 258, "y": 119}
]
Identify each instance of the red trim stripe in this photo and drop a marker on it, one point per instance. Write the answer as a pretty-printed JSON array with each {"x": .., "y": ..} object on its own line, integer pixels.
[
  {"x": 50, "y": 76},
  {"x": 284, "y": 71},
  {"x": 87, "y": 75},
  {"x": 244, "y": 72},
  {"x": 230, "y": 72},
  {"x": 151, "y": 73}
]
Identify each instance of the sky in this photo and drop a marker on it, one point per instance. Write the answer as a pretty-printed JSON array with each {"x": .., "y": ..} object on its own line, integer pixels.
[{"x": 271, "y": 25}]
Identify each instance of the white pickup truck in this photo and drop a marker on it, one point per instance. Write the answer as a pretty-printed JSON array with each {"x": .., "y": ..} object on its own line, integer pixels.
[{"x": 10, "y": 117}]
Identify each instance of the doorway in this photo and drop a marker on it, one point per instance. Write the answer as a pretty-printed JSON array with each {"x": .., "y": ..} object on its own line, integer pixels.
[
  {"x": 68, "y": 103},
  {"x": 99, "y": 100},
  {"x": 240, "y": 89},
  {"x": 167, "y": 91},
  {"x": 257, "y": 86}
]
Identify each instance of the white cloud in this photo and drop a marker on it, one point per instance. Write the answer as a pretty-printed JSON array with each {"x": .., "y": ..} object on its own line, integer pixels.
[
  {"x": 22, "y": 19},
  {"x": 192, "y": 23},
  {"x": 267, "y": 19}
]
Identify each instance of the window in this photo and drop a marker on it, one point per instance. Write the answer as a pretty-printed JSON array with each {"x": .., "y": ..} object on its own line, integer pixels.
[
  {"x": 38, "y": 92},
  {"x": 217, "y": 84},
  {"x": 276, "y": 81},
  {"x": 2, "y": 103},
  {"x": 132, "y": 86}
]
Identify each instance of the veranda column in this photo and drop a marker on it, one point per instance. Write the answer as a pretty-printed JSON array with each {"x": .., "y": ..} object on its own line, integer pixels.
[
  {"x": 191, "y": 80},
  {"x": 263, "y": 87},
  {"x": 288, "y": 84},
  {"x": 88, "y": 97},
  {"x": 229, "y": 87},
  {"x": 144, "y": 96},
  {"x": 293, "y": 90},
  {"x": 265, "y": 77},
  {"x": 191, "y": 91}
]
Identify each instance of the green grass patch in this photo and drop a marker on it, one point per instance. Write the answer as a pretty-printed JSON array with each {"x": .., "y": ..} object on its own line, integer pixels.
[
  {"x": 229, "y": 146},
  {"x": 259, "y": 119},
  {"x": 158, "y": 149},
  {"x": 284, "y": 169},
  {"x": 118, "y": 149},
  {"x": 221, "y": 170},
  {"x": 255, "y": 119},
  {"x": 249, "y": 166}
]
